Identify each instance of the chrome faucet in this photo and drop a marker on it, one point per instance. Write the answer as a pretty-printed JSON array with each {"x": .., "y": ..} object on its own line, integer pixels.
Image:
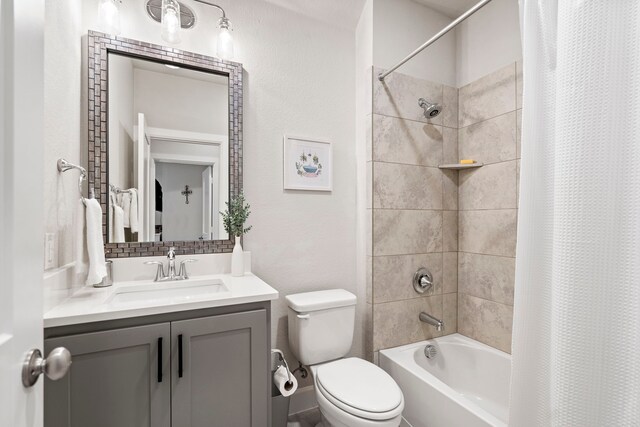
[
  {"x": 427, "y": 318},
  {"x": 171, "y": 256}
]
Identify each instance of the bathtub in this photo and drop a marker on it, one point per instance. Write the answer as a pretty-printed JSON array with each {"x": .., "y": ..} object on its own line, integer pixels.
[{"x": 465, "y": 385}]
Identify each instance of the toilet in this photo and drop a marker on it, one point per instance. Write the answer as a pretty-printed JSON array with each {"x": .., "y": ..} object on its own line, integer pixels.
[{"x": 351, "y": 392}]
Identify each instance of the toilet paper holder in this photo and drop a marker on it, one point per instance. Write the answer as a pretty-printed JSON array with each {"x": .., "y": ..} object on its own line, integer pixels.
[{"x": 283, "y": 360}]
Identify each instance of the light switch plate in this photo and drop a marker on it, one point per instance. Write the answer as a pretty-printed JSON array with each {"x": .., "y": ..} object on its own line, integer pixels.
[{"x": 50, "y": 251}]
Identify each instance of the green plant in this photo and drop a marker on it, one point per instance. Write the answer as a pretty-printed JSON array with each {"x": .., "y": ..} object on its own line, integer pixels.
[{"x": 236, "y": 215}]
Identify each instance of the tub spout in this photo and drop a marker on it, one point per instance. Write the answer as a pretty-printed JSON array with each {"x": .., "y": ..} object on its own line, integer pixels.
[{"x": 427, "y": 318}]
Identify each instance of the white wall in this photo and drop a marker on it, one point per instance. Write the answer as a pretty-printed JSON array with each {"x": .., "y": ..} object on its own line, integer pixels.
[
  {"x": 175, "y": 102},
  {"x": 63, "y": 128},
  {"x": 487, "y": 41},
  {"x": 399, "y": 27},
  {"x": 180, "y": 221},
  {"x": 298, "y": 79}
]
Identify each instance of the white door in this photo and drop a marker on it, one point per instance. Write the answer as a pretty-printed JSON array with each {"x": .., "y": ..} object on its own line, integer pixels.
[
  {"x": 141, "y": 176},
  {"x": 21, "y": 198},
  {"x": 207, "y": 203}
]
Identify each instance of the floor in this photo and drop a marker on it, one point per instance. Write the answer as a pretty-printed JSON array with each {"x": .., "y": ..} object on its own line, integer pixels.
[
  {"x": 312, "y": 417},
  {"x": 304, "y": 419}
]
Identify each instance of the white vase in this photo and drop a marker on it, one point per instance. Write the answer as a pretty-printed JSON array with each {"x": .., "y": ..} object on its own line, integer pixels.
[{"x": 237, "y": 259}]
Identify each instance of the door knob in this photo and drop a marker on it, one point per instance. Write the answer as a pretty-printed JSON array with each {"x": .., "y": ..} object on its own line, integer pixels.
[{"x": 55, "y": 366}]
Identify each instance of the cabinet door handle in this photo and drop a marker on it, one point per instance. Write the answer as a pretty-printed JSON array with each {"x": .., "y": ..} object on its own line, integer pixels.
[
  {"x": 160, "y": 359},
  {"x": 180, "y": 356}
]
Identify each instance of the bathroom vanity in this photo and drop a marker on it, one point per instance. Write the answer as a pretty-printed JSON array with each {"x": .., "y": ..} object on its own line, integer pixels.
[{"x": 189, "y": 353}]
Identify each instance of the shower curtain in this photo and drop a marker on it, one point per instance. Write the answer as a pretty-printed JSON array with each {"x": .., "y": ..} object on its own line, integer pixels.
[{"x": 576, "y": 336}]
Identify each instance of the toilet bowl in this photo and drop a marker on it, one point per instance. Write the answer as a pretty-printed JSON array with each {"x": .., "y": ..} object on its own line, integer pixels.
[{"x": 350, "y": 392}]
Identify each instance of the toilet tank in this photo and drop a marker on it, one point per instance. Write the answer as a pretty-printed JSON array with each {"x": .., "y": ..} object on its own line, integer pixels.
[{"x": 321, "y": 325}]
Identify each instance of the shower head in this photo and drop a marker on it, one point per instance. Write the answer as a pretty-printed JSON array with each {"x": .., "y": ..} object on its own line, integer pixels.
[{"x": 430, "y": 110}]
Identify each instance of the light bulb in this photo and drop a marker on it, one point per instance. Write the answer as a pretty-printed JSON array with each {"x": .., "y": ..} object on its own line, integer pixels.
[
  {"x": 171, "y": 21},
  {"x": 109, "y": 17},
  {"x": 225, "y": 43}
]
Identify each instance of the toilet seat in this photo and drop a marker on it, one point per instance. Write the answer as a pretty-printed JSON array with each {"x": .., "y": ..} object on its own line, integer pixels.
[{"x": 359, "y": 388}]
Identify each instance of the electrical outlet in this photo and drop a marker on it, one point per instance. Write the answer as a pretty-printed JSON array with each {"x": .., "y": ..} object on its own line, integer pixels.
[{"x": 49, "y": 251}]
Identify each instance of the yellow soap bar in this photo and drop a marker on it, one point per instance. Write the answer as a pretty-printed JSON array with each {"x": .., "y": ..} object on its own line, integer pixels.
[{"x": 467, "y": 161}]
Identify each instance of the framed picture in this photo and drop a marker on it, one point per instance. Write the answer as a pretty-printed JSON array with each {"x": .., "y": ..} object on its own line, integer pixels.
[{"x": 308, "y": 164}]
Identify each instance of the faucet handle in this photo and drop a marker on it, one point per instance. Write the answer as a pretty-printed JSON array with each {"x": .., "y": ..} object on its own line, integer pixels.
[
  {"x": 159, "y": 271},
  {"x": 183, "y": 267},
  {"x": 172, "y": 253}
]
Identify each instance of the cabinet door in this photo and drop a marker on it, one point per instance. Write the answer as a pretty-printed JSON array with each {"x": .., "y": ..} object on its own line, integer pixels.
[
  {"x": 220, "y": 371},
  {"x": 118, "y": 378}
]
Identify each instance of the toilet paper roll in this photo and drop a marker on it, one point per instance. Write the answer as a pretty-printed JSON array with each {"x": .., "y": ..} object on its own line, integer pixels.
[{"x": 281, "y": 380}]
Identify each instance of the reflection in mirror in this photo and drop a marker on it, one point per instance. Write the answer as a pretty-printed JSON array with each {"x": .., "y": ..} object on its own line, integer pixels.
[{"x": 168, "y": 152}]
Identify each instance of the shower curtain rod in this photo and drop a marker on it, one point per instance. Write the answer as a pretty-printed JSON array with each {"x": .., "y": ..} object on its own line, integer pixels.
[{"x": 442, "y": 32}]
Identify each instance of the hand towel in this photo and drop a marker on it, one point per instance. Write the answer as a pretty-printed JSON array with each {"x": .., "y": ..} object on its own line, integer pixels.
[
  {"x": 118, "y": 225},
  {"x": 112, "y": 203},
  {"x": 133, "y": 210},
  {"x": 95, "y": 244},
  {"x": 81, "y": 256},
  {"x": 126, "y": 208}
]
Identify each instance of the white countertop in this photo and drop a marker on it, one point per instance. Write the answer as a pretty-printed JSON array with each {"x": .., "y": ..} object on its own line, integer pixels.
[{"x": 91, "y": 304}]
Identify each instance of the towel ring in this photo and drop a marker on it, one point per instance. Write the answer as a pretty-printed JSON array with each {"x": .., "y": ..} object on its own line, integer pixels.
[{"x": 64, "y": 165}]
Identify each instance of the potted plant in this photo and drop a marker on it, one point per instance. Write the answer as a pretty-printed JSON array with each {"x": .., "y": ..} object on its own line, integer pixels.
[{"x": 233, "y": 219}]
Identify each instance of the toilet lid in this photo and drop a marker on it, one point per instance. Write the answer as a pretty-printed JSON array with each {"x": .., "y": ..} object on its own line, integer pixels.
[{"x": 360, "y": 385}]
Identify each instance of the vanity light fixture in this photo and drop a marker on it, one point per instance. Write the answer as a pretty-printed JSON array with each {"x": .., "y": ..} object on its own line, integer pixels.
[
  {"x": 175, "y": 15},
  {"x": 109, "y": 16}
]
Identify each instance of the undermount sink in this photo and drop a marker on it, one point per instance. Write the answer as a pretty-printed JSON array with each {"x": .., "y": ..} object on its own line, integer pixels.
[{"x": 167, "y": 292}]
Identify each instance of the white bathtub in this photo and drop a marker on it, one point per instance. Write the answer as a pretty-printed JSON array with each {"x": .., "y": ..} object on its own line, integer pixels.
[{"x": 465, "y": 385}]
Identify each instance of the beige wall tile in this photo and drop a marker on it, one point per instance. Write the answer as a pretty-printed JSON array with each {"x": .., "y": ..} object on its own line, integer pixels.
[
  {"x": 369, "y": 185},
  {"x": 398, "y": 232},
  {"x": 397, "y": 186},
  {"x": 393, "y": 276},
  {"x": 519, "y": 84},
  {"x": 449, "y": 189},
  {"x": 368, "y": 332},
  {"x": 405, "y": 141},
  {"x": 491, "y": 232},
  {"x": 518, "y": 181},
  {"x": 396, "y": 323},
  {"x": 519, "y": 133},
  {"x": 486, "y": 321},
  {"x": 449, "y": 231},
  {"x": 449, "y": 272},
  {"x": 368, "y": 124},
  {"x": 450, "y": 313},
  {"x": 489, "y": 187},
  {"x": 369, "y": 279},
  {"x": 450, "y": 107},
  {"x": 487, "y": 276},
  {"x": 488, "y": 96},
  {"x": 490, "y": 141},
  {"x": 450, "y": 145},
  {"x": 398, "y": 96},
  {"x": 369, "y": 227}
]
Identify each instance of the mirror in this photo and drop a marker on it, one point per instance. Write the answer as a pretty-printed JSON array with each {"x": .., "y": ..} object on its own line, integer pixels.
[
  {"x": 166, "y": 124},
  {"x": 168, "y": 151}
]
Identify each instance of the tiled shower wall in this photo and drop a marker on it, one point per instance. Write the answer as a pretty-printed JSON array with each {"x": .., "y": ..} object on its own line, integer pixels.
[
  {"x": 489, "y": 117},
  {"x": 460, "y": 225},
  {"x": 412, "y": 206}
]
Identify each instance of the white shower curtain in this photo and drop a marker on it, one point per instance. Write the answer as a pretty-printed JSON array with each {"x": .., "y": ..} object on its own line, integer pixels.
[{"x": 576, "y": 332}]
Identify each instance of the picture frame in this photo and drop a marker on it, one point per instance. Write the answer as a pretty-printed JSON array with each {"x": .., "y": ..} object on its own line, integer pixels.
[{"x": 307, "y": 164}]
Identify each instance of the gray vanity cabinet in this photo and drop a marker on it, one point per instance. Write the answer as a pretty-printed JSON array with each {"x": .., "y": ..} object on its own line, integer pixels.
[
  {"x": 217, "y": 371},
  {"x": 212, "y": 370},
  {"x": 117, "y": 378}
]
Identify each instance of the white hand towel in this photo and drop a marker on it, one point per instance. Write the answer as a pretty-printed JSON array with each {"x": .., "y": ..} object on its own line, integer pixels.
[
  {"x": 133, "y": 210},
  {"x": 126, "y": 208},
  {"x": 118, "y": 225},
  {"x": 80, "y": 249},
  {"x": 112, "y": 203},
  {"x": 95, "y": 244}
]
